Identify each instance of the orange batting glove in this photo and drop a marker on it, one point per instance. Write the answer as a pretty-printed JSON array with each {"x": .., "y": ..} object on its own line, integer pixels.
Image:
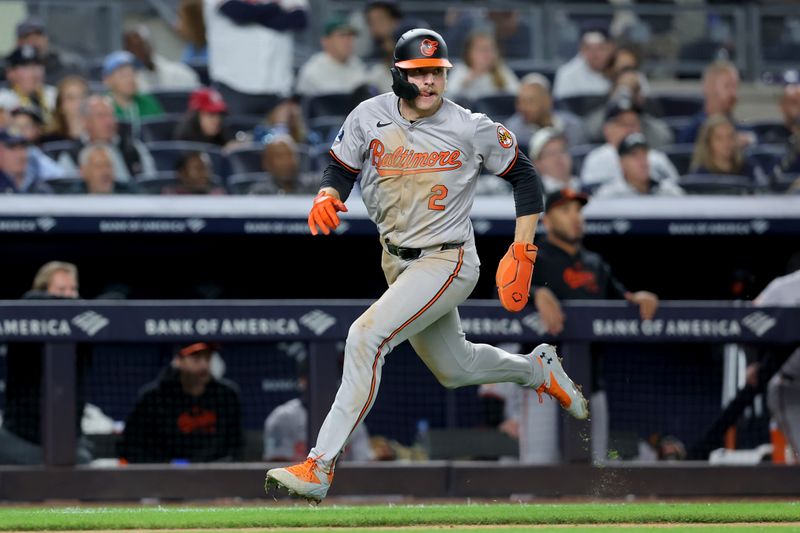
[
  {"x": 514, "y": 274},
  {"x": 323, "y": 213}
]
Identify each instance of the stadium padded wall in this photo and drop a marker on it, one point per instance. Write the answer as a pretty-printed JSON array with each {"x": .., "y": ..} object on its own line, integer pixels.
[{"x": 432, "y": 480}]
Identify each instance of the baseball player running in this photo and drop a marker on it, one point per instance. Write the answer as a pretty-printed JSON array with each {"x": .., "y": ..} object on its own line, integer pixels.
[{"x": 419, "y": 156}]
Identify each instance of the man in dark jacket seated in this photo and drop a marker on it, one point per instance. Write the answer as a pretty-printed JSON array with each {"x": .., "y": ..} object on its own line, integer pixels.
[{"x": 185, "y": 414}]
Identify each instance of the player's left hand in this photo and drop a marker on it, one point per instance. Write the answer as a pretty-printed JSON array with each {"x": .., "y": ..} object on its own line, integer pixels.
[
  {"x": 323, "y": 213},
  {"x": 514, "y": 274},
  {"x": 647, "y": 302}
]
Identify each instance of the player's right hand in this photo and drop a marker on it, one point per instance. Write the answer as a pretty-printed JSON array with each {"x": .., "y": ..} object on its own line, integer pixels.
[{"x": 323, "y": 213}]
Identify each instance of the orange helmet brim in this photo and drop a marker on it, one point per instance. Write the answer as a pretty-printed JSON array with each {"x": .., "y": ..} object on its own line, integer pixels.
[{"x": 424, "y": 62}]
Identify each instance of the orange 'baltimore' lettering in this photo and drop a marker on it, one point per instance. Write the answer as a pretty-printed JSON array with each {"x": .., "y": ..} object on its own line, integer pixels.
[
  {"x": 407, "y": 161},
  {"x": 197, "y": 421}
]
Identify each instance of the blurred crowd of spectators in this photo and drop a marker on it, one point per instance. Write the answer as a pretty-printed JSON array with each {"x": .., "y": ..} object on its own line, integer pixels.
[{"x": 233, "y": 118}]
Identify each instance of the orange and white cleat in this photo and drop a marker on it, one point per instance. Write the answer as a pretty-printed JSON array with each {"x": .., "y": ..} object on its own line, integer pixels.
[
  {"x": 306, "y": 480},
  {"x": 558, "y": 384}
]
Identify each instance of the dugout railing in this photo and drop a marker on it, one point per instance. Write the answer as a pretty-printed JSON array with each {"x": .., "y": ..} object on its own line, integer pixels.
[{"x": 62, "y": 324}]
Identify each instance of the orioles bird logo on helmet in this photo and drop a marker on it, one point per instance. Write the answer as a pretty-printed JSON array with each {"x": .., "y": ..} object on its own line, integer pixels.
[{"x": 428, "y": 47}]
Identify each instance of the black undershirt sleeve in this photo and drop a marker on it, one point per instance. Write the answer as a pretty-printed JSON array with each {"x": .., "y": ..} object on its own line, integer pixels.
[
  {"x": 527, "y": 185},
  {"x": 340, "y": 178}
]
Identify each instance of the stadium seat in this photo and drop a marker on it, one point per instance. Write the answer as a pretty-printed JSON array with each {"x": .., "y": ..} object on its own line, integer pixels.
[
  {"x": 766, "y": 156},
  {"x": 54, "y": 149},
  {"x": 525, "y": 66},
  {"x": 157, "y": 183},
  {"x": 578, "y": 154},
  {"x": 173, "y": 101},
  {"x": 716, "y": 184},
  {"x": 245, "y": 123},
  {"x": 680, "y": 155},
  {"x": 769, "y": 131},
  {"x": 677, "y": 124},
  {"x": 159, "y": 128},
  {"x": 319, "y": 157},
  {"x": 73, "y": 185},
  {"x": 673, "y": 104},
  {"x": 339, "y": 105},
  {"x": 95, "y": 70},
  {"x": 67, "y": 185},
  {"x": 243, "y": 183},
  {"x": 167, "y": 154},
  {"x": 781, "y": 181},
  {"x": 581, "y": 105},
  {"x": 783, "y": 51},
  {"x": 497, "y": 107},
  {"x": 326, "y": 128},
  {"x": 706, "y": 50},
  {"x": 246, "y": 159}
]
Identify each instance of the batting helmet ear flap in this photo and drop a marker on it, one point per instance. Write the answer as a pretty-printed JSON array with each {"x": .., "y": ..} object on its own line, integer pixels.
[{"x": 401, "y": 86}]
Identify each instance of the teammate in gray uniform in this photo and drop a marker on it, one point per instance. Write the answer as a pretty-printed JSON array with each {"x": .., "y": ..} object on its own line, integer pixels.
[
  {"x": 419, "y": 156},
  {"x": 783, "y": 391}
]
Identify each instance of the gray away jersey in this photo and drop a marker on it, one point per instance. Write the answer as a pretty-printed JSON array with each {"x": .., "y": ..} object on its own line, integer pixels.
[{"x": 418, "y": 179}]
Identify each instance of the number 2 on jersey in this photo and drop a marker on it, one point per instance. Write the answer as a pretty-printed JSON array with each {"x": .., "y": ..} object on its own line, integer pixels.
[{"x": 441, "y": 193}]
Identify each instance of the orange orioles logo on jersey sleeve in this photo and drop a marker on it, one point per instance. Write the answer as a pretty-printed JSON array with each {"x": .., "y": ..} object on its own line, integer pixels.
[
  {"x": 406, "y": 161},
  {"x": 428, "y": 47},
  {"x": 504, "y": 137}
]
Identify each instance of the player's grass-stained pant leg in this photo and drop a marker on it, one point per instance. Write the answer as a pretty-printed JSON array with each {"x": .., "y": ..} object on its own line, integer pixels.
[
  {"x": 456, "y": 362},
  {"x": 420, "y": 293}
]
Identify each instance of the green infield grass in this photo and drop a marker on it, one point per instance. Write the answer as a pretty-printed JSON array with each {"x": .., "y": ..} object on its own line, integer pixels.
[{"x": 596, "y": 517}]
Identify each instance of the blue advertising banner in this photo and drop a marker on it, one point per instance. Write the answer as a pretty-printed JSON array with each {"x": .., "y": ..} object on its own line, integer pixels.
[{"x": 268, "y": 320}]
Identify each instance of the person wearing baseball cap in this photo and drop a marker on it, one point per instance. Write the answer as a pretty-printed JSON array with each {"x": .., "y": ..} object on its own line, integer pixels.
[
  {"x": 15, "y": 176},
  {"x": 636, "y": 180},
  {"x": 13, "y": 161},
  {"x": 205, "y": 119},
  {"x": 57, "y": 63},
  {"x": 602, "y": 165},
  {"x": 584, "y": 74},
  {"x": 566, "y": 270},
  {"x": 335, "y": 69},
  {"x": 570, "y": 271},
  {"x": 630, "y": 84},
  {"x": 119, "y": 75},
  {"x": 186, "y": 414},
  {"x": 549, "y": 153},
  {"x": 25, "y": 74},
  {"x": 28, "y": 123}
]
